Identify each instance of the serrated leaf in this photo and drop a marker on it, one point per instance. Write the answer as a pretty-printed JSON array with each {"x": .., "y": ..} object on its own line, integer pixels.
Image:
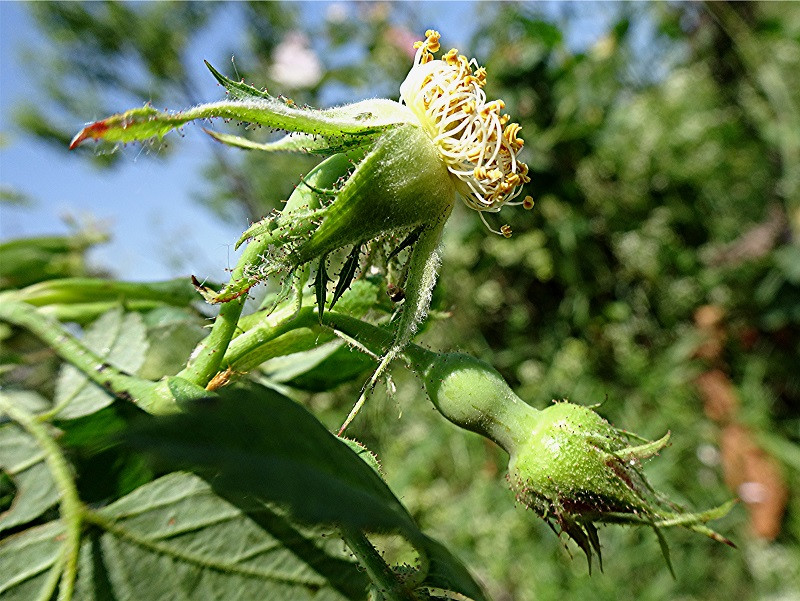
[
  {"x": 172, "y": 335},
  {"x": 259, "y": 442},
  {"x": 120, "y": 339},
  {"x": 28, "y": 561},
  {"x": 176, "y": 538},
  {"x": 23, "y": 460},
  {"x": 255, "y": 443}
]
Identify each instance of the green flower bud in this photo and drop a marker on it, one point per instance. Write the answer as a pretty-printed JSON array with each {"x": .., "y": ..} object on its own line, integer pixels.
[{"x": 567, "y": 464}]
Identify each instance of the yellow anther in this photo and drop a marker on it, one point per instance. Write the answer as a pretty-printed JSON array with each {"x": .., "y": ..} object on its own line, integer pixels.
[
  {"x": 475, "y": 139},
  {"x": 505, "y": 230},
  {"x": 527, "y": 203},
  {"x": 510, "y": 134},
  {"x": 474, "y": 154},
  {"x": 432, "y": 41}
]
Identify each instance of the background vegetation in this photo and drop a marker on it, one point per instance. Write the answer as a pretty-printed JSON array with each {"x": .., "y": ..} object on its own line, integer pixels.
[{"x": 659, "y": 273}]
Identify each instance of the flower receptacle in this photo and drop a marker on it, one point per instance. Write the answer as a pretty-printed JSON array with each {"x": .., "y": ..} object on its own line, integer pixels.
[
  {"x": 400, "y": 184},
  {"x": 474, "y": 396}
]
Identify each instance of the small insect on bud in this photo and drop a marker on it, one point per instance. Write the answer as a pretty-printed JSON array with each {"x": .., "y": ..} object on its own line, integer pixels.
[{"x": 396, "y": 293}]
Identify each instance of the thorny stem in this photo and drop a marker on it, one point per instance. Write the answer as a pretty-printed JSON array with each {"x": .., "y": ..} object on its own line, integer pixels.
[
  {"x": 423, "y": 265},
  {"x": 377, "y": 569},
  {"x": 205, "y": 363},
  {"x": 71, "y": 507}
]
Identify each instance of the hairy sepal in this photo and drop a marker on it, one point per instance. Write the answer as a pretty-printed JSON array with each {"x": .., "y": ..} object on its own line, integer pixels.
[
  {"x": 353, "y": 123},
  {"x": 399, "y": 185}
]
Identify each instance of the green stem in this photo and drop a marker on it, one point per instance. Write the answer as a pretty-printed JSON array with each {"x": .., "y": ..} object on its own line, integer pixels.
[
  {"x": 150, "y": 396},
  {"x": 205, "y": 364},
  {"x": 468, "y": 392},
  {"x": 208, "y": 358},
  {"x": 70, "y": 504},
  {"x": 377, "y": 569},
  {"x": 243, "y": 349}
]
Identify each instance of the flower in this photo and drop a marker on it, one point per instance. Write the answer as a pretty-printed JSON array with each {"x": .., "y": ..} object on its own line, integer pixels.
[
  {"x": 294, "y": 64},
  {"x": 473, "y": 138},
  {"x": 393, "y": 173}
]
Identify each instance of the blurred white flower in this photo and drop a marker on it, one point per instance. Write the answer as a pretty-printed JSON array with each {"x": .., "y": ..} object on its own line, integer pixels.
[{"x": 294, "y": 64}]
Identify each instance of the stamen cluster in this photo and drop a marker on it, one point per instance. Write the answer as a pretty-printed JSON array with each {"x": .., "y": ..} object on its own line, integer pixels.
[{"x": 474, "y": 139}]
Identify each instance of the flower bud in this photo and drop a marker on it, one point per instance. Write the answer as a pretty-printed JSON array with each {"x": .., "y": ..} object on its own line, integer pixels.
[{"x": 567, "y": 464}]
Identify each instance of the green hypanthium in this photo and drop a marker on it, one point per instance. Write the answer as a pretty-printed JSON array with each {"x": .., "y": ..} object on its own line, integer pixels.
[{"x": 388, "y": 183}]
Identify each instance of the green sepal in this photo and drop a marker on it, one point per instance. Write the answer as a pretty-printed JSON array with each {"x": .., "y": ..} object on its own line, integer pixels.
[
  {"x": 644, "y": 451},
  {"x": 348, "y": 121},
  {"x": 400, "y": 184},
  {"x": 347, "y": 274},
  {"x": 321, "y": 286},
  {"x": 237, "y": 90},
  {"x": 296, "y": 142}
]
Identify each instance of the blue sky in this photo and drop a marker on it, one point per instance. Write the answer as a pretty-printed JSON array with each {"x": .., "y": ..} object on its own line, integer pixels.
[{"x": 158, "y": 230}]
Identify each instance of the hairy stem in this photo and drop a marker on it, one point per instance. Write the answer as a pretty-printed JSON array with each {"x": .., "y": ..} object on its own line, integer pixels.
[
  {"x": 379, "y": 572},
  {"x": 150, "y": 396},
  {"x": 70, "y": 504}
]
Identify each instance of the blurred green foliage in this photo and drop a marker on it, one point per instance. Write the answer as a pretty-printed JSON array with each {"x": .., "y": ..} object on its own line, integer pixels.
[{"x": 665, "y": 162}]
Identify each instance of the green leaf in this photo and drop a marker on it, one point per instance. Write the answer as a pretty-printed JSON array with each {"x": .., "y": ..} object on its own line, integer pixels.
[
  {"x": 259, "y": 442},
  {"x": 23, "y": 460},
  {"x": 445, "y": 571},
  {"x": 119, "y": 339},
  {"x": 175, "y": 538},
  {"x": 29, "y": 562},
  {"x": 338, "y": 364},
  {"x": 176, "y": 535},
  {"x": 172, "y": 335}
]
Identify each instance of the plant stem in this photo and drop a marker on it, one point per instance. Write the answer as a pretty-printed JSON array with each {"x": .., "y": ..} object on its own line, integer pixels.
[
  {"x": 71, "y": 507},
  {"x": 207, "y": 359},
  {"x": 377, "y": 569},
  {"x": 468, "y": 392},
  {"x": 150, "y": 396}
]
